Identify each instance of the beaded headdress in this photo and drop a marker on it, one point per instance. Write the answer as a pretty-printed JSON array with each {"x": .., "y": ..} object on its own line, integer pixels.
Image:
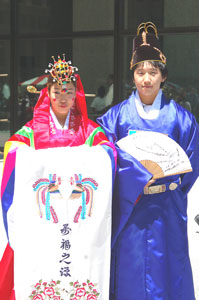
[
  {"x": 146, "y": 45},
  {"x": 62, "y": 71}
]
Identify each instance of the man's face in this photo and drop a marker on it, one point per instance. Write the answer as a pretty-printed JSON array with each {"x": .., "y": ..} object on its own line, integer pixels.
[
  {"x": 61, "y": 102},
  {"x": 147, "y": 79}
]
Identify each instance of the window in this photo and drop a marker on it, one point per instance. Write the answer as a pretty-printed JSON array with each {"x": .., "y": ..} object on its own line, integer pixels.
[
  {"x": 5, "y": 17},
  {"x": 4, "y": 93},
  {"x": 94, "y": 59}
]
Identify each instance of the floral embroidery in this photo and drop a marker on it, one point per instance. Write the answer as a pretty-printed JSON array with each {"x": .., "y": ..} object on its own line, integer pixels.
[
  {"x": 91, "y": 297},
  {"x": 80, "y": 292},
  {"x": 76, "y": 291},
  {"x": 84, "y": 291},
  {"x": 49, "y": 291},
  {"x": 44, "y": 290},
  {"x": 38, "y": 297}
]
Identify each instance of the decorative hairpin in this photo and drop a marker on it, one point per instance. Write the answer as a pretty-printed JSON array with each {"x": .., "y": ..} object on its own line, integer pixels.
[
  {"x": 145, "y": 26},
  {"x": 32, "y": 89},
  {"x": 62, "y": 71}
]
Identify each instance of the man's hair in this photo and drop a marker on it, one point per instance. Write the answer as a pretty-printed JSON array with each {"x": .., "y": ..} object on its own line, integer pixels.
[{"x": 156, "y": 64}]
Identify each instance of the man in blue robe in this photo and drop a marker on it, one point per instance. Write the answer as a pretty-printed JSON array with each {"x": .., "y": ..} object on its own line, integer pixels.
[{"x": 150, "y": 255}]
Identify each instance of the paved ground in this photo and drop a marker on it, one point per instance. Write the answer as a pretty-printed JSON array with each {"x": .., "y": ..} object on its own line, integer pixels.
[{"x": 193, "y": 233}]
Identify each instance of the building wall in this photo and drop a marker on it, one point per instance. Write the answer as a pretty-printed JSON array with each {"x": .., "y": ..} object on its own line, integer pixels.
[{"x": 89, "y": 15}]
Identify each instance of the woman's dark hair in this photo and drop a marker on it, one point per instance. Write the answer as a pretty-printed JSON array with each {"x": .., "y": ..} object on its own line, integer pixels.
[
  {"x": 156, "y": 64},
  {"x": 50, "y": 82}
]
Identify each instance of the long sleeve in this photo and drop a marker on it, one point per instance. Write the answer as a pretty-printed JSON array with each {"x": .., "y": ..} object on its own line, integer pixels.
[
  {"x": 7, "y": 193},
  {"x": 189, "y": 140},
  {"x": 131, "y": 176},
  {"x": 7, "y": 275}
]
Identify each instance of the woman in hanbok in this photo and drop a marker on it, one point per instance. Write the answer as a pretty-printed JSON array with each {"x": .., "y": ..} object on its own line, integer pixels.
[
  {"x": 59, "y": 120},
  {"x": 150, "y": 255}
]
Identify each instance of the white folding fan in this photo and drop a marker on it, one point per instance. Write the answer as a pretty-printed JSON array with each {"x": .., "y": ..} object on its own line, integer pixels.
[{"x": 157, "y": 152}]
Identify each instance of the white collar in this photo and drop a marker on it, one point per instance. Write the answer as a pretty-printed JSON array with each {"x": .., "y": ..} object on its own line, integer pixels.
[
  {"x": 148, "y": 112},
  {"x": 57, "y": 124}
]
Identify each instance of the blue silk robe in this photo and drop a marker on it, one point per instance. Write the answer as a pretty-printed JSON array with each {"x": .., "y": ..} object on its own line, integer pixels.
[{"x": 150, "y": 258}]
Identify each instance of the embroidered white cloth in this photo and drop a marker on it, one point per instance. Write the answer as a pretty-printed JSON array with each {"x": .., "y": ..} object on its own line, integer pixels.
[{"x": 60, "y": 223}]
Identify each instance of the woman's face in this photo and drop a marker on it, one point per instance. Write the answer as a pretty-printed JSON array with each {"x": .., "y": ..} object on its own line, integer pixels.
[
  {"x": 147, "y": 79},
  {"x": 62, "y": 101}
]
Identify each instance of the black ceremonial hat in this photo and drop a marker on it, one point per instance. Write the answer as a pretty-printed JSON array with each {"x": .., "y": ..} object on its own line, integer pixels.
[{"x": 146, "y": 45}]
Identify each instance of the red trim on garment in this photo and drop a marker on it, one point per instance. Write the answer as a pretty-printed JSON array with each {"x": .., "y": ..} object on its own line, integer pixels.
[
  {"x": 20, "y": 138},
  {"x": 137, "y": 200}
]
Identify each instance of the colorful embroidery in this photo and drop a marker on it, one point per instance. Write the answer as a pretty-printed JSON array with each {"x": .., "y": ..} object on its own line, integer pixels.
[
  {"x": 82, "y": 187},
  {"x": 44, "y": 290},
  {"x": 85, "y": 291},
  {"x": 52, "y": 290},
  {"x": 43, "y": 188},
  {"x": 73, "y": 125}
]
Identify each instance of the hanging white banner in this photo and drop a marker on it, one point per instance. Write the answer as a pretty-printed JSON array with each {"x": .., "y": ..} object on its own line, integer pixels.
[{"x": 60, "y": 223}]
